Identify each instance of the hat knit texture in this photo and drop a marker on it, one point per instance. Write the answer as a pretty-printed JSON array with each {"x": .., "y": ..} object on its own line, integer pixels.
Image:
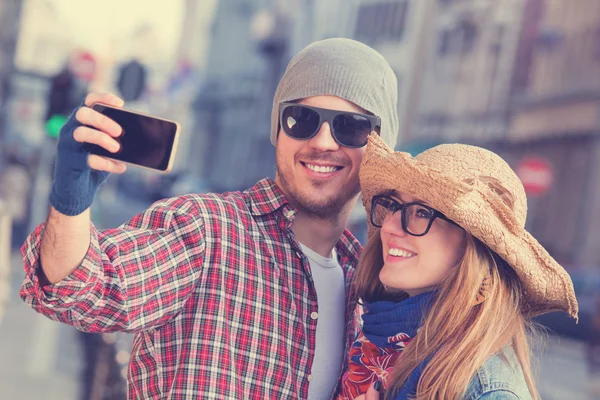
[
  {"x": 478, "y": 190},
  {"x": 344, "y": 68}
]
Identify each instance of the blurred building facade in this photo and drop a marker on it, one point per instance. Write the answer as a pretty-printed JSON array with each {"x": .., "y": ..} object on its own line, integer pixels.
[
  {"x": 10, "y": 17},
  {"x": 231, "y": 123},
  {"x": 556, "y": 116},
  {"x": 315, "y": 20},
  {"x": 465, "y": 93},
  {"x": 496, "y": 74},
  {"x": 400, "y": 30},
  {"x": 39, "y": 39},
  {"x": 188, "y": 74},
  {"x": 10, "y": 11},
  {"x": 38, "y": 46}
]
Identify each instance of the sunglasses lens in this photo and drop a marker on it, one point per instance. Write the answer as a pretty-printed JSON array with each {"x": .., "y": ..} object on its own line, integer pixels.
[
  {"x": 299, "y": 122},
  {"x": 351, "y": 129}
]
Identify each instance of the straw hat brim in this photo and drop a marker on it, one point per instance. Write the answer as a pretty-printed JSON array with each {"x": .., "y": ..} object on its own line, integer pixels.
[{"x": 472, "y": 205}]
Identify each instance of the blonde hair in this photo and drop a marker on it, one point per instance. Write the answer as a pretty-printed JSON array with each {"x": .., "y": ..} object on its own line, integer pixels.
[{"x": 457, "y": 335}]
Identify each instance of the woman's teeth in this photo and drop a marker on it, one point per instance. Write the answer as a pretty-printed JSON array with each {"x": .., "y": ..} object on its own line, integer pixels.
[{"x": 400, "y": 253}]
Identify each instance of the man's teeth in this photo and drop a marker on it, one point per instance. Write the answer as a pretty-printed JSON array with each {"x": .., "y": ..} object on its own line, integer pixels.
[
  {"x": 400, "y": 253},
  {"x": 318, "y": 168}
]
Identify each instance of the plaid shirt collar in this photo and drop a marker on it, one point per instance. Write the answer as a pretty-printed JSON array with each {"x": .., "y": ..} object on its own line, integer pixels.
[{"x": 266, "y": 198}]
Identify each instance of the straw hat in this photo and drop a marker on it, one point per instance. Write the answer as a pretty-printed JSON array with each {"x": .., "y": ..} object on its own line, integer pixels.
[{"x": 479, "y": 191}]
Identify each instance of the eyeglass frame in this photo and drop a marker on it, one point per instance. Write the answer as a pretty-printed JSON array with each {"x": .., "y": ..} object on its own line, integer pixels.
[
  {"x": 401, "y": 207},
  {"x": 327, "y": 115}
]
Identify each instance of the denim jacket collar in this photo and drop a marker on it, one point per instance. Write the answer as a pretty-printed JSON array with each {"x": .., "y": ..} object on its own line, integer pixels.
[{"x": 499, "y": 378}]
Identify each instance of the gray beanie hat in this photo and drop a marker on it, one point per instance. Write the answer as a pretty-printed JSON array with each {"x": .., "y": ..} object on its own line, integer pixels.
[{"x": 344, "y": 68}]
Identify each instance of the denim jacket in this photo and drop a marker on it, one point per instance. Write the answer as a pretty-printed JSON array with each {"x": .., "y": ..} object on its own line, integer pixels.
[{"x": 499, "y": 380}]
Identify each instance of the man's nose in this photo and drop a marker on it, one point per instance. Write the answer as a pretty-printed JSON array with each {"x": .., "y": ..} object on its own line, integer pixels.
[{"x": 324, "y": 140}]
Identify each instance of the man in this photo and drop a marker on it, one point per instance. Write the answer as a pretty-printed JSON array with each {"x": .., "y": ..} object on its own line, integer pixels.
[{"x": 238, "y": 295}]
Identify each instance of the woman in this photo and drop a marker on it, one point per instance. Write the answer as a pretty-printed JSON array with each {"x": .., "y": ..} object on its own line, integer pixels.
[{"x": 449, "y": 279}]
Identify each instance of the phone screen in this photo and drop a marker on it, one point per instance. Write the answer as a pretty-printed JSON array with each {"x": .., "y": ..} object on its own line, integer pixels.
[{"x": 145, "y": 141}]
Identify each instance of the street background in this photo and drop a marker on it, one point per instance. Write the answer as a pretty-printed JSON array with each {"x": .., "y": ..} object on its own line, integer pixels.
[{"x": 520, "y": 77}]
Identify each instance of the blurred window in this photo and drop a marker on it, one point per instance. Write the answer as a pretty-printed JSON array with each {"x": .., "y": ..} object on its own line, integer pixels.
[
  {"x": 549, "y": 38},
  {"x": 448, "y": 2},
  {"x": 496, "y": 45},
  {"x": 444, "y": 42},
  {"x": 459, "y": 39},
  {"x": 596, "y": 41},
  {"x": 380, "y": 22}
]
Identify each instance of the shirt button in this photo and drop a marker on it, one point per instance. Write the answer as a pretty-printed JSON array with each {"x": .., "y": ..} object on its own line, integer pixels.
[
  {"x": 310, "y": 377},
  {"x": 314, "y": 315}
]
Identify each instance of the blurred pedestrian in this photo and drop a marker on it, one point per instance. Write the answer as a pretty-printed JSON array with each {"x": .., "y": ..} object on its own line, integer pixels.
[
  {"x": 101, "y": 373},
  {"x": 15, "y": 190},
  {"x": 5, "y": 256},
  {"x": 224, "y": 291},
  {"x": 450, "y": 278},
  {"x": 594, "y": 338}
]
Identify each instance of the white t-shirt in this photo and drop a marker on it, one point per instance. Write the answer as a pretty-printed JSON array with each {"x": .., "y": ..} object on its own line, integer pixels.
[{"x": 331, "y": 296}]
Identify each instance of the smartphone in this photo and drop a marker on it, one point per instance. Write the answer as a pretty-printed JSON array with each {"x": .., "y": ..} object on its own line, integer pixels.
[{"x": 146, "y": 141}]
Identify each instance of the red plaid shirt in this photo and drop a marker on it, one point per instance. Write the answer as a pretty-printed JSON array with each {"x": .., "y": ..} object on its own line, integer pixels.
[{"x": 216, "y": 289}]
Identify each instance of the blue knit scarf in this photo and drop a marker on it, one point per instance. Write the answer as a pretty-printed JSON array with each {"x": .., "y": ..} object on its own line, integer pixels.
[{"x": 385, "y": 319}]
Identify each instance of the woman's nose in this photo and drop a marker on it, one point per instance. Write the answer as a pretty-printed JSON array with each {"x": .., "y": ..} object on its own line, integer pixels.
[{"x": 393, "y": 224}]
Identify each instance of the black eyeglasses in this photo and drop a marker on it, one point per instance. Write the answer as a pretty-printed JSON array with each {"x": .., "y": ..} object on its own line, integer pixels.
[
  {"x": 416, "y": 217},
  {"x": 348, "y": 128}
]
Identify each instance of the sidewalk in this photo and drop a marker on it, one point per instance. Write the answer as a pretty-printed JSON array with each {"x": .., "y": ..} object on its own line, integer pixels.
[
  {"x": 39, "y": 358},
  {"x": 563, "y": 371}
]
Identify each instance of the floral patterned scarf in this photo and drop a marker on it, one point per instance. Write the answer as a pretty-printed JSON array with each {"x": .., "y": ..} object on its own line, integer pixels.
[{"x": 387, "y": 329}]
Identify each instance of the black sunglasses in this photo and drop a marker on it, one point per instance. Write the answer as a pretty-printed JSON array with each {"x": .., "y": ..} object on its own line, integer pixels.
[
  {"x": 417, "y": 218},
  {"x": 348, "y": 128}
]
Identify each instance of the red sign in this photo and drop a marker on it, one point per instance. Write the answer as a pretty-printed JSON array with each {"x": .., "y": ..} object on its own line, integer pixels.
[
  {"x": 536, "y": 175},
  {"x": 83, "y": 65}
]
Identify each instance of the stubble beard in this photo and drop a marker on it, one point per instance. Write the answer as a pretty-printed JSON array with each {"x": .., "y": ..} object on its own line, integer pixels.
[{"x": 307, "y": 199}]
